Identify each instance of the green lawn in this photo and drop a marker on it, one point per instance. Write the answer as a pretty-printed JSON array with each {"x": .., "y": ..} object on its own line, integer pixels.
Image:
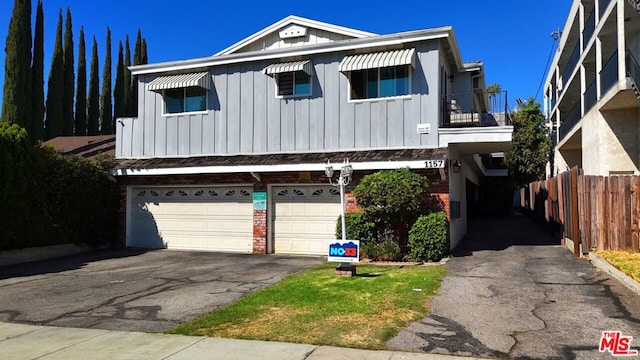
[
  {"x": 627, "y": 262},
  {"x": 317, "y": 307}
]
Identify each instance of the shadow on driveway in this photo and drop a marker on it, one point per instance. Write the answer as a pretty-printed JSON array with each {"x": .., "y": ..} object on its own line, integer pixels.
[
  {"x": 66, "y": 263},
  {"x": 502, "y": 233}
]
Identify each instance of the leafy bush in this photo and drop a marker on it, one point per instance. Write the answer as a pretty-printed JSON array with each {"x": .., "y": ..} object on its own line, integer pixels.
[
  {"x": 387, "y": 250},
  {"x": 358, "y": 227},
  {"x": 393, "y": 199},
  {"x": 14, "y": 168},
  {"x": 52, "y": 199},
  {"x": 429, "y": 237}
]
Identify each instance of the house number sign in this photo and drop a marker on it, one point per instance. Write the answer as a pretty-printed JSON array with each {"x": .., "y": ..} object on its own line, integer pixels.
[{"x": 434, "y": 164}]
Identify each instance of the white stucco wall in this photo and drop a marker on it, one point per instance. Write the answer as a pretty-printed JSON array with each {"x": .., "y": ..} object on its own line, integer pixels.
[{"x": 611, "y": 141}]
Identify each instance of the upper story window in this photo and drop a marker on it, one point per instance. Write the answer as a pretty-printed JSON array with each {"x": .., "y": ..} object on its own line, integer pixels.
[
  {"x": 379, "y": 75},
  {"x": 183, "y": 93},
  {"x": 381, "y": 82},
  {"x": 292, "y": 78},
  {"x": 185, "y": 100}
]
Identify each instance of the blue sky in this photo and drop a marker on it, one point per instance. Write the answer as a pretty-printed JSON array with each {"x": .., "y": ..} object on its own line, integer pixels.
[{"x": 511, "y": 37}]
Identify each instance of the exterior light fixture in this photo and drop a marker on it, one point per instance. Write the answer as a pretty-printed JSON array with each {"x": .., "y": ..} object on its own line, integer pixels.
[
  {"x": 343, "y": 180},
  {"x": 456, "y": 165}
]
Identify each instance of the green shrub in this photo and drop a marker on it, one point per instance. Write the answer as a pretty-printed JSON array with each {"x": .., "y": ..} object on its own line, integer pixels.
[
  {"x": 51, "y": 199},
  {"x": 393, "y": 200},
  {"x": 387, "y": 250},
  {"x": 429, "y": 237},
  {"x": 358, "y": 227},
  {"x": 14, "y": 185}
]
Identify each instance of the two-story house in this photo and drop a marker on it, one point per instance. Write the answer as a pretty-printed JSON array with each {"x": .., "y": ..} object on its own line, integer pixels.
[
  {"x": 228, "y": 152},
  {"x": 591, "y": 92}
]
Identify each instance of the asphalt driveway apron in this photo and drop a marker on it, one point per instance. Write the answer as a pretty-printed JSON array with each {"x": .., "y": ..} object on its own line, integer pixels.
[
  {"x": 514, "y": 292},
  {"x": 135, "y": 291}
]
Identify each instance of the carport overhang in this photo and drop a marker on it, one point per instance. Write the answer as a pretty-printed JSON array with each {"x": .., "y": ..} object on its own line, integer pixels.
[{"x": 477, "y": 140}]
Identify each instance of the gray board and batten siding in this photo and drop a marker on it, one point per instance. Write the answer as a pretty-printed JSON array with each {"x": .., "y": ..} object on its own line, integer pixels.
[{"x": 245, "y": 116}]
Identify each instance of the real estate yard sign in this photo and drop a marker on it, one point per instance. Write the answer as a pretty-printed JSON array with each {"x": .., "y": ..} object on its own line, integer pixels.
[{"x": 344, "y": 251}]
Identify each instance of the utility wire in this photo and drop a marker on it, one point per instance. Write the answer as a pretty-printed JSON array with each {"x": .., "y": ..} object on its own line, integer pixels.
[{"x": 555, "y": 35}]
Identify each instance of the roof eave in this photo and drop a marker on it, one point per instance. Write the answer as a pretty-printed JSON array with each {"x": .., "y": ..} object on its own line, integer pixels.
[{"x": 380, "y": 41}]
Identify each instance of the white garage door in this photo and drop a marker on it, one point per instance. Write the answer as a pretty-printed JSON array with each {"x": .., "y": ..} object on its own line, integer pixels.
[
  {"x": 212, "y": 218},
  {"x": 305, "y": 219}
]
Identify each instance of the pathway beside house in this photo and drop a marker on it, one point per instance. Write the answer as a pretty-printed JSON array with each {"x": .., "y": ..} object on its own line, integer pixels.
[{"x": 513, "y": 291}]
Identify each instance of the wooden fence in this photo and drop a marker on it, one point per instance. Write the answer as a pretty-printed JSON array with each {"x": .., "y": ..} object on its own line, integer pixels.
[{"x": 593, "y": 212}]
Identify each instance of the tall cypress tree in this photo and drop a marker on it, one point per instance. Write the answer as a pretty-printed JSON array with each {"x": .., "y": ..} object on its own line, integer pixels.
[
  {"x": 137, "y": 60},
  {"x": 67, "y": 94},
  {"x": 81, "y": 89},
  {"x": 143, "y": 58},
  {"x": 55, "y": 88},
  {"x": 118, "y": 90},
  {"x": 127, "y": 79},
  {"x": 106, "y": 117},
  {"x": 36, "y": 130},
  {"x": 93, "y": 107},
  {"x": 16, "y": 104}
]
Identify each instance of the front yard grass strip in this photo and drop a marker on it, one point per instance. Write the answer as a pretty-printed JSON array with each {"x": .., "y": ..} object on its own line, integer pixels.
[
  {"x": 317, "y": 307},
  {"x": 627, "y": 262}
]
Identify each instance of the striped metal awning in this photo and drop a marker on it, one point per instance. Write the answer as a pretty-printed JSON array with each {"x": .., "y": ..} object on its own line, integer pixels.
[
  {"x": 201, "y": 79},
  {"x": 378, "y": 60},
  {"x": 304, "y": 65}
]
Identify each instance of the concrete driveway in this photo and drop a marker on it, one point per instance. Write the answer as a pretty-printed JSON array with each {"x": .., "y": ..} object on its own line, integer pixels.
[
  {"x": 513, "y": 292},
  {"x": 134, "y": 290}
]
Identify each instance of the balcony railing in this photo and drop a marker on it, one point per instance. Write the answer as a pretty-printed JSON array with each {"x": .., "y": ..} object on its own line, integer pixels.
[
  {"x": 571, "y": 65},
  {"x": 603, "y": 6},
  {"x": 590, "y": 97},
  {"x": 475, "y": 109},
  {"x": 609, "y": 74},
  {"x": 633, "y": 69},
  {"x": 589, "y": 27},
  {"x": 570, "y": 121}
]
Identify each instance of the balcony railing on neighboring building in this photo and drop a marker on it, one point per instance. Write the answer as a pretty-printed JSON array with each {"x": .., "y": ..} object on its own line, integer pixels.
[
  {"x": 475, "y": 109},
  {"x": 570, "y": 121},
  {"x": 571, "y": 64},
  {"x": 609, "y": 74},
  {"x": 589, "y": 27},
  {"x": 633, "y": 70},
  {"x": 590, "y": 96},
  {"x": 603, "y": 4}
]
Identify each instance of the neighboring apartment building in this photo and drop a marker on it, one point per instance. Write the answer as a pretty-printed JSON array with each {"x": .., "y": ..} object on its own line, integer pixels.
[
  {"x": 229, "y": 151},
  {"x": 591, "y": 92}
]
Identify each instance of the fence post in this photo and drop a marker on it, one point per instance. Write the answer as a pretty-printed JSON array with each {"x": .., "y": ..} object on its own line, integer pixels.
[{"x": 575, "y": 224}]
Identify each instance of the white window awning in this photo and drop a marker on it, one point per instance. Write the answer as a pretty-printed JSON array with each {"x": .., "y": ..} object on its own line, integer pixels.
[
  {"x": 304, "y": 65},
  {"x": 378, "y": 60},
  {"x": 201, "y": 79}
]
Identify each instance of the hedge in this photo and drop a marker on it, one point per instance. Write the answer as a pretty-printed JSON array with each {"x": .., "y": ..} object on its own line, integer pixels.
[{"x": 51, "y": 199}]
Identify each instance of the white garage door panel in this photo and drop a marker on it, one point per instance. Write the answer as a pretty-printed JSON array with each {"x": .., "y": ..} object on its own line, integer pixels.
[
  {"x": 305, "y": 219},
  {"x": 212, "y": 219}
]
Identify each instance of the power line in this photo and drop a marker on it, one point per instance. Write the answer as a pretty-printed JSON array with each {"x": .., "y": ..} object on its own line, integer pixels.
[{"x": 555, "y": 35}]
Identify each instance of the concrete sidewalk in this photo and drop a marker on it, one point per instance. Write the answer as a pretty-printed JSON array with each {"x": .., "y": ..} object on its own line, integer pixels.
[{"x": 20, "y": 342}]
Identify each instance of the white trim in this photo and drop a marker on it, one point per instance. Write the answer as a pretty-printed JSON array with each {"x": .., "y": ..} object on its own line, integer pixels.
[
  {"x": 343, "y": 45},
  {"x": 289, "y": 20},
  {"x": 228, "y": 169}
]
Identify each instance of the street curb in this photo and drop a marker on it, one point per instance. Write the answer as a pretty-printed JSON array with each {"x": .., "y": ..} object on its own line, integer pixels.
[{"x": 604, "y": 265}]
